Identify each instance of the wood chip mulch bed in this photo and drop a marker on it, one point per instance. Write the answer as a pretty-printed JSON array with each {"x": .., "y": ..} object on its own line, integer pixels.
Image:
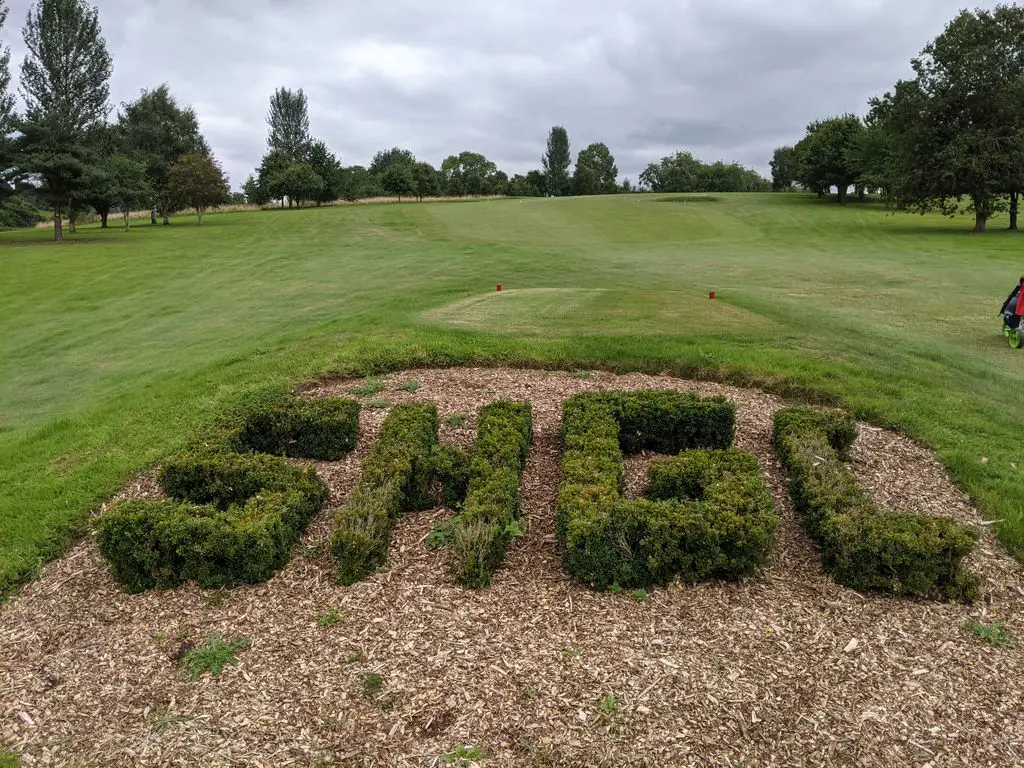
[{"x": 784, "y": 669}]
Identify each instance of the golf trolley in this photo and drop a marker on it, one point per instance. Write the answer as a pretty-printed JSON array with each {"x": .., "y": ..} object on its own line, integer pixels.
[{"x": 1013, "y": 316}]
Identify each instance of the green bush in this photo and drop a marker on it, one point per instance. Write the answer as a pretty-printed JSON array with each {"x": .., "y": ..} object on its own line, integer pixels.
[
  {"x": 325, "y": 428},
  {"x": 234, "y": 520},
  {"x": 863, "y": 546},
  {"x": 397, "y": 477},
  {"x": 16, "y": 212},
  {"x": 481, "y": 534},
  {"x": 449, "y": 466},
  {"x": 707, "y": 513}
]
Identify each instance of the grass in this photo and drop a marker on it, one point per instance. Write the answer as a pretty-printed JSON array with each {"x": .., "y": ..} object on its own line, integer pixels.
[
  {"x": 118, "y": 346},
  {"x": 456, "y": 420},
  {"x": 9, "y": 759},
  {"x": 995, "y": 634},
  {"x": 461, "y": 755},
  {"x": 328, "y": 618},
  {"x": 373, "y": 684},
  {"x": 213, "y": 655}
]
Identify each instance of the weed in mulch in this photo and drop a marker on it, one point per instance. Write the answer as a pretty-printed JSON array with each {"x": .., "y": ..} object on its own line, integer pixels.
[
  {"x": 9, "y": 759},
  {"x": 161, "y": 719},
  {"x": 639, "y": 596},
  {"x": 441, "y": 535},
  {"x": 410, "y": 385},
  {"x": 461, "y": 755},
  {"x": 609, "y": 708},
  {"x": 615, "y": 589},
  {"x": 373, "y": 684},
  {"x": 356, "y": 657},
  {"x": 995, "y": 634},
  {"x": 581, "y": 375},
  {"x": 456, "y": 420},
  {"x": 570, "y": 653},
  {"x": 216, "y": 600},
  {"x": 327, "y": 618},
  {"x": 212, "y": 656},
  {"x": 379, "y": 404},
  {"x": 369, "y": 387}
]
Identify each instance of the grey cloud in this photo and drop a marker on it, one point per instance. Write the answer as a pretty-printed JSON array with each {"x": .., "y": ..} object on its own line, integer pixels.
[{"x": 728, "y": 80}]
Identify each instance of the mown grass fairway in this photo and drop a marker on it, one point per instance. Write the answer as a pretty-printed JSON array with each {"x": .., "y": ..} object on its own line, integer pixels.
[{"x": 116, "y": 346}]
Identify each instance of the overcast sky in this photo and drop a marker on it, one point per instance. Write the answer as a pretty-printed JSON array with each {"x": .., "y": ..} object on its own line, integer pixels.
[{"x": 728, "y": 79}]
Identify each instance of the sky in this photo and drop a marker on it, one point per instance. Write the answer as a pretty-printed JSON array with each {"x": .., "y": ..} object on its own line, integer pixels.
[{"x": 724, "y": 79}]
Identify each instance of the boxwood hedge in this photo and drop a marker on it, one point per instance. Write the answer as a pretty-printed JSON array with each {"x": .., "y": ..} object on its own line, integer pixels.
[
  {"x": 481, "y": 534},
  {"x": 863, "y": 546},
  {"x": 324, "y": 428},
  {"x": 706, "y": 513},
  {"x": 230, "y": 519},
  {"x": 397, "y": 477}
]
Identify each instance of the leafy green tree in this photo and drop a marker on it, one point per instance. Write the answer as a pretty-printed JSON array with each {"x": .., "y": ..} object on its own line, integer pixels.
[
  {"x": 556, "y": 161},
  {"x": 538, "y": 180},
  {"x": 326, "y": 166},
  {"x": 398, "y": 180},
  {"x": 156, "y": 131},
  {"x": 825, "y": 154},
  {"x": 272, "y": 165},
  {"x": 596, "y": 173},
  {"x": 426, "y": 180},
  {"x": 65, "y": 83},
  {"x": 6, "y": 111},
  {"x": 386, "y": 158},
  {"x": 520, "y": 186},
  {"x": 297, "y": 182},
  {"x": 954, "y": 131},
  {"x": 784, "y": 168},
  {"x": 469, "y": 173},
  {"x": 288, "y": 120},
  {"x": 254, "y": 193},
  {"x": 357, "y": 183},
  {"x": 197, "y": 181},
  {"x": 682, "y": 172}
]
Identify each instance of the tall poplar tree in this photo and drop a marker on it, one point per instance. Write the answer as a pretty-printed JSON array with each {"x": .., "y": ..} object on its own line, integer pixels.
[
  {"x": 288, "y": 120},
  {"x": 556, "y": 162}
]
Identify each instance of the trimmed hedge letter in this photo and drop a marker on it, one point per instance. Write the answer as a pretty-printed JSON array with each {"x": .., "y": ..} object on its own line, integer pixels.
[
  {"x": 489, "y": 520},
  {"x": 233, "y": 514},
  {"x": 863, "y": 546},
  {"x": 707, "y": 513}
]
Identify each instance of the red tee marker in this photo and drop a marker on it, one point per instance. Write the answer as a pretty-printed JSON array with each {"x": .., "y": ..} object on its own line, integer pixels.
[
  {"x": 498, "y": 287},
  {"x": 711, "y": 294}
]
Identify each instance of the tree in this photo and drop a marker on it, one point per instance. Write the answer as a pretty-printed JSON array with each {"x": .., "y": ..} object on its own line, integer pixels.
[
  {"x": 254, "y": 193},
  {"x": 297, "y": 182},
  {"x": 323, "y": 162},
  {"x": 156, "y": 131},
  {"x": 288, "y": 120},
  {"x": 65, "y": 85},
  {"x": 596, "y": 173},
  {"x": 556, "y": 161},
  {"x": 197, "y": 181},
  {"x": 272, "y": 165},
  {"x": 425, "y": 180},
  {"x": 6, "y": 110},
  {"x": 953, "y": 132},
  {"x": 825, "y": 154},
  {"x": 357, "y": 183},
  {"x": 469, "y": 173},
  {"x": 389, "y": 157},
  {"x": 398, "y": 180},
  {"x": 784, "y": 168}
]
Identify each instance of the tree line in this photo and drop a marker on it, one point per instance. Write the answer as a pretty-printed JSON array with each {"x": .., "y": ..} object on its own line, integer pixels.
[
  {"x": 949, "y": 139},
  {"x": 68, "y": 154}
]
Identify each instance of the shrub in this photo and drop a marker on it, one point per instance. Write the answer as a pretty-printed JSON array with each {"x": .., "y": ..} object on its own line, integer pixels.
[
  {"x": 863, "y": 546},
  {"x": 396, "y": 478},
  {"x": 325, "y": 428},
  {"x": 481, "y": 534},
  {"x": 235, "y": 520},
  {"x": 449, "y": 466},
  {"x": 707, "y": 513}
]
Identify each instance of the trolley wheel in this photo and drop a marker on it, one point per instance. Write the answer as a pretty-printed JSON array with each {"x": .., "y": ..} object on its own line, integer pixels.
[{"x": 1015, "y": 339}]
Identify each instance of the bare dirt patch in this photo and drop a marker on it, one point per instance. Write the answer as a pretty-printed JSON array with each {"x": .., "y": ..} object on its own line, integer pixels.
[{"x": 784, "y": 669}]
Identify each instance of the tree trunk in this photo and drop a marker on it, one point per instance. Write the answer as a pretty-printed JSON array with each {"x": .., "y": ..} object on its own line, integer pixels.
[
  {"x": 58, "y": 228},
  {"x": 152, "y": 216},
  {"x": 1014, "y": 200},
  {"x": 127, "y": 220},
  {"x": 821, "y": 193},
  {"x": 979, "y": 222},
  {"x": 103, "y": 220},
  {"x": 199, "y": 213},
  {"x": 167, "y": 221},
  {"x": 862, "y": 192},
  {"x": 842, "y": 194}
]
